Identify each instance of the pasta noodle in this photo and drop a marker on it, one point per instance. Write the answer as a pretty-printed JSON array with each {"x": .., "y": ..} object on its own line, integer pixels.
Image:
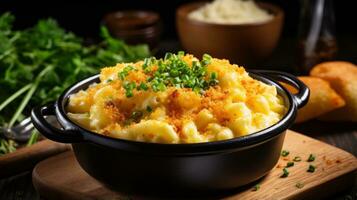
[{"x": 179, "y": 99}]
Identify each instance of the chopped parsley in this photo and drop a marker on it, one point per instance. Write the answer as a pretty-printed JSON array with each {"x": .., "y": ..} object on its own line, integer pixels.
[
  {"x": 299, "y": 185},
  {"x": 172, "y": 71},
  {"x": 311, "y": 158},
  {"x": 289, "y": 164},
  {"x": 285, "y": 153},
  {"x": 285, "y": 173},
  {"x": 38, "y": 63},
  {"x": 256, "y": 187},
  {"x": 297, "y": 159},
  {"x": 311, "y": 168}
]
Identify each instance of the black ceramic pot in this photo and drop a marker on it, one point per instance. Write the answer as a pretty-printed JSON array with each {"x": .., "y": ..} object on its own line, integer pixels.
[{"x": 130, "y": 166}]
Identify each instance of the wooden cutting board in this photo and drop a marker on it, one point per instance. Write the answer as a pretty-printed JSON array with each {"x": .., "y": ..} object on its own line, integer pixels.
[
  {"x": 25, "y": 158},
  {"x": 61, "y": 177}
]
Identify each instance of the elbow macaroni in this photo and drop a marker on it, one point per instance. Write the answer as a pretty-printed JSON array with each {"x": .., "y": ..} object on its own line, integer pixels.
[{"x": 237, "y": 105}]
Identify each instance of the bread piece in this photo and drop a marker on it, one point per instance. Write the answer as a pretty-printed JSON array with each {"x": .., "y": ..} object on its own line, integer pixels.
[
  {"x": 322, "y": 99},
  {"x": 342, "y": 77}
]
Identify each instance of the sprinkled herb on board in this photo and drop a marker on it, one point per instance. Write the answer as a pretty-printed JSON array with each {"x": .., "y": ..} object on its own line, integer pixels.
[
  {"x": 285, "y": 153},
  {"x": 256, "y": 187},
  {"x": 299, "y": 185},
  {"x": 311, "y": 158},
  {"x": 289, "y": 164},
  {"x": 285, "y": 173},
  {"x": 297, "y": 159},
  {"x": 311, "y": 168}
]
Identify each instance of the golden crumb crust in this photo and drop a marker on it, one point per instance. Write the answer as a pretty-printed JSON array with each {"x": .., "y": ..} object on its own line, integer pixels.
[{"x": 127, "y": 105}]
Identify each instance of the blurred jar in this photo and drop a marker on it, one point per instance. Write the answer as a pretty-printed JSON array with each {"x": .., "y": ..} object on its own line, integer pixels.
[
  {"x": 317, "y": 41},
  {"x": 135, "y": 26}
]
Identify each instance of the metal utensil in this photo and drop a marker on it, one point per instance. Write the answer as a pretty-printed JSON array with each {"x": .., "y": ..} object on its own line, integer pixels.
[{"x": 20, "y": 132}]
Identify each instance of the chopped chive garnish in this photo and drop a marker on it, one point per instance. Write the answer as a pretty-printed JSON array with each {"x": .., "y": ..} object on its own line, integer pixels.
[
  {"x": 122, "y": 74},
  {"x": 285, "y": 173},
  {"x": 181, "y": 53},
  {"x": 129, "y": 86},
  {"x": 168, "y": 56},
  {"x": 142, "y": 86},
  {"x": 285, "y": 153},
  {"x": 299, "y": 185},
  {"x": 206, "y": 59},
  {"x": 256, "y": 187},
  {"x": 129, "y": 93},
  {"x": 297, "y": 159},
  {"x": 146, "y": 63},
  {"x": 172, "y": 71},
  {"x": 289, "y": 164},
  {"x": 311, "y": 168},
  {"x": 311, "y": 158}
]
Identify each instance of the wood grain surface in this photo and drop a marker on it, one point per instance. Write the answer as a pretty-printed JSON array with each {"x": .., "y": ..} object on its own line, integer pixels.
[
  {"x": 26, "y": 158},
  {"x": 61, "y": 177}
]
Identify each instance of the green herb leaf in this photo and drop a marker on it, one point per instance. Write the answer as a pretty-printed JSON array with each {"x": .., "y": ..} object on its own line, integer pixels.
[
  {"x": 299, "y": 185},
  {"x": 174, "y": 71},
  {"x": 311, "y": 158},
  {"x": 37, "y": 64},
  {"x": 33, "y": 138},
  {"x": 297, "y": 159},
  {"x": 142, "y": 86},
  {"x": 122, "y": 74},
  {"x": 289, "y": 164},
  {"x": 311, "y": 168},
  {"x": 285, "y": 173},
  {"x": 206, "y": 59},
  {"x": 256, "y": 187},
  {"x": 213, "y": 75},
  {"x": 7, "y": 146},
  {"x": 285, "y": 153}
]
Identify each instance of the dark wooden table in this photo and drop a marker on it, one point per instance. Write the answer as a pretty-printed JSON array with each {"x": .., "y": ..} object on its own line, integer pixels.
[{"x": 342, "y": 135}]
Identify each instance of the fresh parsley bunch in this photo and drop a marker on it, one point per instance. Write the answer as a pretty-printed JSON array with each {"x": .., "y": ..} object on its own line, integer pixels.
[{"x": 38, "y": 63}]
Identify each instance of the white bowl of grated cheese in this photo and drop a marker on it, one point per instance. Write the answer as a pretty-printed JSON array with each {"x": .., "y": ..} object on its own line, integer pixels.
[
  {"x": 242, "y": 31},
  {"x": 231, "y": 12}
]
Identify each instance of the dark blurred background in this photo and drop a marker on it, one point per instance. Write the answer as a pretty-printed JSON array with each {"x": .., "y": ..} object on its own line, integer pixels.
[{"x": 84, "y": 18}]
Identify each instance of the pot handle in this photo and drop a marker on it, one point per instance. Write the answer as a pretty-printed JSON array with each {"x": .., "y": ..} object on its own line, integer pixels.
[
  {"x": 59, "y": 135},
  {"x": 301, "y": 97}
]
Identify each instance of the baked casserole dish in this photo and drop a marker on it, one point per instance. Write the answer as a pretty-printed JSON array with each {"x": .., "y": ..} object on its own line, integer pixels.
[
  {"x": 178, "y": 123},
  {"x": 179, "y": 99}
]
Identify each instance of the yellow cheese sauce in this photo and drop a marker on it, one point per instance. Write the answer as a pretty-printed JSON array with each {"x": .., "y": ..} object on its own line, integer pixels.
[{"x": 179, "y": 99}]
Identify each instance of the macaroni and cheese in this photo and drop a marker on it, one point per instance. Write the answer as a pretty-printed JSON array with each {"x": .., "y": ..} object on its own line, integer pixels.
[{"x": 178, "y": 99}]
